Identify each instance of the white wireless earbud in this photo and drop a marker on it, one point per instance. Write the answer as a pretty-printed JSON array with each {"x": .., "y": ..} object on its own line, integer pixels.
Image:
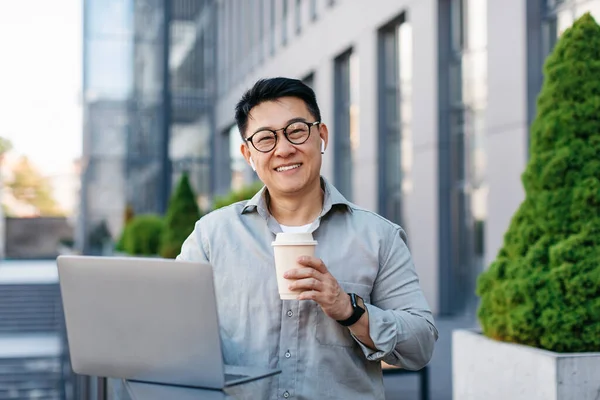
[
  {"x": 322, "y": 146},
  {"x": 252, "y": 164}
]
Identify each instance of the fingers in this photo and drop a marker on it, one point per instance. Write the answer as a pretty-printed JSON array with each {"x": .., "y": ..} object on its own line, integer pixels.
[
  {"x": 313, "y": 262},
  {"x": 313, "y": 281},
  {"x": 309, "y": 295},
  {"x": 307, "y": 284},
  {"x": 301, "y": 273}
]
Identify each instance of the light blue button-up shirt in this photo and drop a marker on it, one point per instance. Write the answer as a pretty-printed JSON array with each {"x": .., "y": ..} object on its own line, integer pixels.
[{"x": 319, "y": 358}]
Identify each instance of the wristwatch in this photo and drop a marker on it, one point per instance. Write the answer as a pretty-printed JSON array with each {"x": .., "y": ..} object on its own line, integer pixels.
[{"x": 358, "y": 309}]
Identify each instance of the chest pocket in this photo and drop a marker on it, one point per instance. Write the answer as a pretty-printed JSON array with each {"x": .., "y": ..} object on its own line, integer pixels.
[{"x": 328, "y": 331}]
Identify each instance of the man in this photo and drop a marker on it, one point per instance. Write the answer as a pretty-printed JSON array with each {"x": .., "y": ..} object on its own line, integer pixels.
[{"x": 360, "y": 300}]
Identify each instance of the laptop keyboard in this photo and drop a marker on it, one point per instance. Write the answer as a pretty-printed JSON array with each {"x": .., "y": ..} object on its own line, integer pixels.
[{"x": 231, "y": 377}]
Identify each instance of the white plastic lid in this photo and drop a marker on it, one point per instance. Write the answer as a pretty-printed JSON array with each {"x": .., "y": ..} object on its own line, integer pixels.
[{"x": 294, "y": 238}]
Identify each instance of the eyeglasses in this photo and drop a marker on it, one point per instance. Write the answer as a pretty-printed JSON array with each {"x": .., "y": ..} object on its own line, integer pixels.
[{"x": 296, "y": 133}]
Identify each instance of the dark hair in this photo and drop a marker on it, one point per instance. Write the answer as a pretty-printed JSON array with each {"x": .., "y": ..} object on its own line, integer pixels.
[{"x": 273, "y": 89}]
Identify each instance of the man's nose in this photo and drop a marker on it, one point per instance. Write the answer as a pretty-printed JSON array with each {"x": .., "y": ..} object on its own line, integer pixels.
[{"x": 284, "y": 148}]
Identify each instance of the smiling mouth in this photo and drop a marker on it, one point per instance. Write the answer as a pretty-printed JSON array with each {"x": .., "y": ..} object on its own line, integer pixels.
[{"x": 287, "y": 167}]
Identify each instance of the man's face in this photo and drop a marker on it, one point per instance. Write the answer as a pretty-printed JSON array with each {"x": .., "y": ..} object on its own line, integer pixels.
[{"x": 305, "y": 157}]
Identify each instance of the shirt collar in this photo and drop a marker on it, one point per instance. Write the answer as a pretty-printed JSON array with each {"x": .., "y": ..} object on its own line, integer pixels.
[{"x": 332, "y": 198}]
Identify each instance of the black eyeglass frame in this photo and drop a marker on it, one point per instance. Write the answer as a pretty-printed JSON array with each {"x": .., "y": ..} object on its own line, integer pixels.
[{"x": 274, "y": 132}]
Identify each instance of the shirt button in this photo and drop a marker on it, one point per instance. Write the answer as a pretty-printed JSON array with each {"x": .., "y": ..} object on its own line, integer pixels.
[
  {"x": 286, "y": 394},
  {"x": 290, "y": 313},
  {"x": 287, "y": 354}
]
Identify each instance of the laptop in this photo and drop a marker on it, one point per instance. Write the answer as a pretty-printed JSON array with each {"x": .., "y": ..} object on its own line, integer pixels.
[{"x": 146, "y": 319}]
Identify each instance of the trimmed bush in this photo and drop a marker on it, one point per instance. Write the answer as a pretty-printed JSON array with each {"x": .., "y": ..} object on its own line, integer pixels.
[
  {"x": 182, "y": 214},
  {"x": 543, "y": 289},
  {"x": 245, "y": 193},
  {"x": 142, "y": 235},
  {"x": 128, "y": 215}
]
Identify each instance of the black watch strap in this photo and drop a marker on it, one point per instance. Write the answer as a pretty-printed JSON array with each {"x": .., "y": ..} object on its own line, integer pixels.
[{"x": 357, "y": 310}]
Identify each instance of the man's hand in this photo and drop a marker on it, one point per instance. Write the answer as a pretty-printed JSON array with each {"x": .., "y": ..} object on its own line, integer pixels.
[{"x": 316, "y": 283}]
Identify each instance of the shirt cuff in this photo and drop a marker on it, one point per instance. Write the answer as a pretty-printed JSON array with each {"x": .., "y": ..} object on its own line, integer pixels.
[{"x": 383, "y": 332}]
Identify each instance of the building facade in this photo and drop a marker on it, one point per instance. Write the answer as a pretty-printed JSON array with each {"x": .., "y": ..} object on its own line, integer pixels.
[
  {"x": 148, "y": 109},
  {"x": 428, "y": 105}
]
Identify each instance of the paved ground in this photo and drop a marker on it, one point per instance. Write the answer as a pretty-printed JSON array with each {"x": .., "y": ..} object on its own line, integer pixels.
[
  {"x": 406, "y": 387},
  {"x": 26, "y": 271}
]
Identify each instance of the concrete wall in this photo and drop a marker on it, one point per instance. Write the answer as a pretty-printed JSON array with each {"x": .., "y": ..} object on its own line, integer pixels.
[
  {"x": 422, "y": 206},
  {"x": 355, "y": 24},
  {"x": 506, "y": 118},
  {"x": 483, "y": 368},
  {"x": 35, "y": 238}
]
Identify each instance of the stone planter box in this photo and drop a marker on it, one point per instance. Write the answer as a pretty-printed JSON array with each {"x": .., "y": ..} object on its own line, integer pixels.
[{"x": 486, "y": 369}]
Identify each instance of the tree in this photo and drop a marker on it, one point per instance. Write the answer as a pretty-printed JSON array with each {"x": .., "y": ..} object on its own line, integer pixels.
[
  {"x": 5, "y": 146},
  {"x": 28, "y": 186},
  {"x": 543, "y": 288},
  {"x": 181, "y": 217}
]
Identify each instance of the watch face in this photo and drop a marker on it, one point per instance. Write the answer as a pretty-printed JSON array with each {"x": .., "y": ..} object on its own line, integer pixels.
[{"x": 360, "y": 302}]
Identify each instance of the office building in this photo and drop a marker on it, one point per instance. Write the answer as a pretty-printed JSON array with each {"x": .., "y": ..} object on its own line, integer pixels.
[
  {"x": 148, "y": 72},
  {"x": 428, "y": 105}
]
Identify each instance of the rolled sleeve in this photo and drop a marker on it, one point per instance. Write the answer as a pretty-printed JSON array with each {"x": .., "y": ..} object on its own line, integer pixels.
[{"x": 400, "y": 321}]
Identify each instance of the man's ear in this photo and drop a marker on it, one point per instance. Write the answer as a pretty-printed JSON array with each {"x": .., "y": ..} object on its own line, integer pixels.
[
  {"x": 324, "y": 134},
  {"x": 246, "y": 153}
]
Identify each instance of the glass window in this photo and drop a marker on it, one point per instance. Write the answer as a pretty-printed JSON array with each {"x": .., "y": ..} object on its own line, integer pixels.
[
  {"x": 251, "y": 28},
  {"x": 239, "y": 65},
  {"x": 230, "y": 67},
  {"x": 560, "y": 15},
  {"x": 221, "y": 45},
  {"x": 221, "y": 156},
  {"x": 284, "y": 21},
  {"x": 241, "y": 173},
  {"x": 346, "y": 137},
  {"x": 457, "y": 25},
  {"x": 476, "y": 24},
  {"x": 108, "y": 69},
  {"x": 109, "y": 49},
  {"x": 190, "y": 151},
  {"x": 273, "y": 16},
  {"x": 224, "y": 23},
  {"x": 395, "y": 125},
  {"x": 467, "y": 189},
  {"x": 190, "y": 144},
  {"x": 261, "y": 30},
  {"x": 298, "y": 16},
  {"x": 108, "y": 19}
]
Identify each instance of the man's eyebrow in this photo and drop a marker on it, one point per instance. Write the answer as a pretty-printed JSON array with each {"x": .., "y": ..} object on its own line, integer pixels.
[{"x": 267, "y": 128}]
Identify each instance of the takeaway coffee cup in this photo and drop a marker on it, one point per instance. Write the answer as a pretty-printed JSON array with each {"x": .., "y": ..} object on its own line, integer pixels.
[{"x": 287, "y": 247}]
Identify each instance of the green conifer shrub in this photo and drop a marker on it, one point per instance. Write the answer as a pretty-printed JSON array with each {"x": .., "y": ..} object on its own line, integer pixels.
[
  {"x": 543, "y": 289},
  {"x": 142, "y": 235},
  {"x": 182, "y": 214}
]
